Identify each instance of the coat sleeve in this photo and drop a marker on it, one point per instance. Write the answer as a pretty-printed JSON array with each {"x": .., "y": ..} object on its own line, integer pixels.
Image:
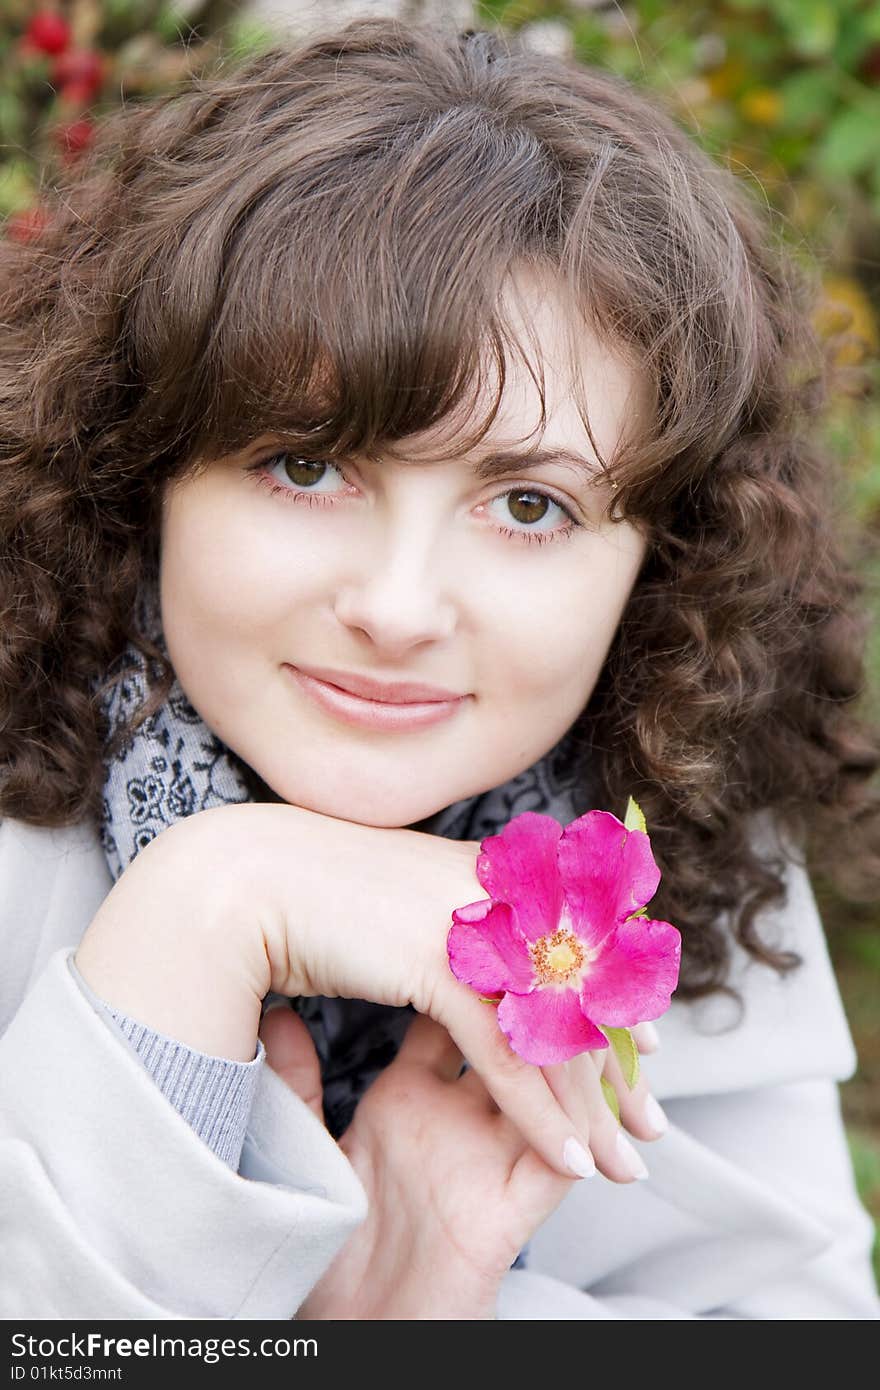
[{"x": 111, "y": 1206}]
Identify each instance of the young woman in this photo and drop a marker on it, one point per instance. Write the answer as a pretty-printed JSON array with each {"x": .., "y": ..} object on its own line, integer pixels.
[{"x": 406, "y": 359}]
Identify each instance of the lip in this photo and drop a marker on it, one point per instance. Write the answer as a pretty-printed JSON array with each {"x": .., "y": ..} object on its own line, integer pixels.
[
  {"x": 389, "y": 692},
  {"x": 374, "y": 714}
]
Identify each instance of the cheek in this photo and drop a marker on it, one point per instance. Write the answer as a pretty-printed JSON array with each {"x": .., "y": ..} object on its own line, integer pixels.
[
  {"x": 558, "y": 627},
  {"x": 214, "y": 573}
]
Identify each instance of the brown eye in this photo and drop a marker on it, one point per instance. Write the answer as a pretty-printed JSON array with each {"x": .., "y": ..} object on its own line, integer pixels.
[
  {"x": 303, "y": 472},
  {"x": 528, "y": 506}
]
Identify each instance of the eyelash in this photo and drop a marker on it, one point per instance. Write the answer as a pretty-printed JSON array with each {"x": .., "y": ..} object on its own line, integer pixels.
[{"x": 260, "y": 473}]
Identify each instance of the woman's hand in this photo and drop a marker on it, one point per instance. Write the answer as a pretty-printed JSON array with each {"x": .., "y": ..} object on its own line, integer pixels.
[
  {"x": 392, "y": 949},
  {"x": 454, "y": 1191},
  {"x": 237, "y": 901}
]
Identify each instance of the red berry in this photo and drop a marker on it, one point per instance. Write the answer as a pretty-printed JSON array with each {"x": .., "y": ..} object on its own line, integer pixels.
[
  {"x": 76, "y": 136},
  {"x": 80, "y": 68},
  {"x": 25, "y": 226},
  {"x": 48, "y": 31}
]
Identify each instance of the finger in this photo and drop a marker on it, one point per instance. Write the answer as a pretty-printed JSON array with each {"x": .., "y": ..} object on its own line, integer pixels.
[
  {"x": 646, "y": 1037},
  {"x": 507, "y": 1135},
  {"x": 615, "y": 1157},
  {"x": 427, "y": 1043},
  {"x": 471, "y": 1084},
  {"x": 291, "y": 1053},
  {"x": 535, "y": 1188},
  {"x": 570, "y": 1083},
  {"x": 519, "y": 1089},
  {"x": 578, "y": 1086},
  {"x": 639, "y": 1111}
]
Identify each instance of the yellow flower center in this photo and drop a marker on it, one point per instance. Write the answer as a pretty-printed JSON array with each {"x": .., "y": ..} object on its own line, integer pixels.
[{"x": 556, "y": 958}]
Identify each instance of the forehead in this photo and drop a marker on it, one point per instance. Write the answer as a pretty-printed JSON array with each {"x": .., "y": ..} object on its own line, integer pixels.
[{"x": 550, "y": 352}]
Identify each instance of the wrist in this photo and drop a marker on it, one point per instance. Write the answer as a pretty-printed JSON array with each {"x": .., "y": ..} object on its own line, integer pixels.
[
  {"x": 174, "y": 946},
  {"x": 356, "y": 910},
  {"x": 410, "y": 1300}
]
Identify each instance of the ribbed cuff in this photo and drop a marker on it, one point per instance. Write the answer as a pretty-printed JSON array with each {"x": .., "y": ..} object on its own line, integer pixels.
[{"x": 213, "y": 1094}]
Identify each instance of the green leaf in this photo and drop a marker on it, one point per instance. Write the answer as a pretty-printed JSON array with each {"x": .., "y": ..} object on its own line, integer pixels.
[
  {"x": 17, "y": 188},
  {"x": 610, "y": 1095},
  {"x": 852, "y": 141},
  {"x": 170, "y": 24},
  {"x": 246, "y": 37},
  {"x": 626, "y": 1052},
  {"x": 635, "y": 820},
  {"x": 867, "y": 949},
  {"x": 811, "y": 25},
  {"x": 12, "y": 118},
  {"x": 808, "y": 96}
]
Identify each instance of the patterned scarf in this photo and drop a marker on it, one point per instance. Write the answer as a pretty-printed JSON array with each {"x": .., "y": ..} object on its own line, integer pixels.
[{"x": 174, "y": 766}]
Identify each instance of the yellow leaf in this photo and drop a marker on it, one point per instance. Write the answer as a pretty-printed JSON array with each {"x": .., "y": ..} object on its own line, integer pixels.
[
  {"x": 634, "y": 819},
  {"x": 761, "y": 106},
  {"x": 845, "y": 309},
  {"x": 626, "y": 1052}
]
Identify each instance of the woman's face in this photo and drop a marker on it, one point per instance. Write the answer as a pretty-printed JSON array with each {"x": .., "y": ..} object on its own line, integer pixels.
[{"x": 401, "y": 570}]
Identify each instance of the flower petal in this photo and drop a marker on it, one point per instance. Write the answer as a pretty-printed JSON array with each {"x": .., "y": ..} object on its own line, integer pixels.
[
  {"x": 634, "y": 975},
  {"x": 519, "y": 867},
  {"x": 607, "y": 873},
  {"x": 486, "y": 951},
  {"x": 547, "y": 1026}
]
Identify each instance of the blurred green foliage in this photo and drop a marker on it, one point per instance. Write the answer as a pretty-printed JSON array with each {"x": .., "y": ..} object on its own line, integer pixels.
[
  {"x": 790, "y": 87},
  {"x": 786, "y": 92}
]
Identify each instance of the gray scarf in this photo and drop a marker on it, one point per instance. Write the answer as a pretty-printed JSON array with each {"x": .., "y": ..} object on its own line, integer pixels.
[{"x": 174, "y": 766}]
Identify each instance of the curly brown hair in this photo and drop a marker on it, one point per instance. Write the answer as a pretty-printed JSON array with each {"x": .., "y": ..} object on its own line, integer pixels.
[{"x": 314, "y": 244}]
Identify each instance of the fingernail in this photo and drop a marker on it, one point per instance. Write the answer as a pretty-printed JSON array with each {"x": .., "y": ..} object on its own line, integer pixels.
[
  {"x": 577, "y": 1160},
  {"x": 630, "y": 1159},
  {"x": 655, "y": 1116},
  {"x": 650, "y": 1035}
]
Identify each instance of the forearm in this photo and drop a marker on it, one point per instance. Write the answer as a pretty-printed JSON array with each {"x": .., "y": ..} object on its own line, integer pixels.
[
  {"x": 234, "y": 902},
  {"x": 178, "y": 944}
]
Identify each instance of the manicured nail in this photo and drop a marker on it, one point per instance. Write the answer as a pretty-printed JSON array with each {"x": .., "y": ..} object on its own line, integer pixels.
[
  {"x": 577, "y": 1160},
  {"x": 630, "y": 1159},
  {"x": 655, "y": 1116},
  {"x": 649, "y": 1035}
]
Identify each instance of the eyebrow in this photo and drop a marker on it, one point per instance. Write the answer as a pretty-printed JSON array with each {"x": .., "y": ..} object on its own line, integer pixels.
[
  {"x": 499, "y": 462},
  {"x": 506, "y": 461}
]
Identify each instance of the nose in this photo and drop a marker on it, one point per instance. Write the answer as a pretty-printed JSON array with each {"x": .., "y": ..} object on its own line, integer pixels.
[{"x": 399, "y": 595}]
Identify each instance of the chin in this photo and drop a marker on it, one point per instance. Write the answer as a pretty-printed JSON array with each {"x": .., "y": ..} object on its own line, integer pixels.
[
  {"x": 380, "y": 818},
  {"x": 382, "y": 814}
]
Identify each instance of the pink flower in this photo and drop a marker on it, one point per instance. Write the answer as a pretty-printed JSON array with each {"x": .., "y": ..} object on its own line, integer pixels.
[{"x": 558, "y": 938}]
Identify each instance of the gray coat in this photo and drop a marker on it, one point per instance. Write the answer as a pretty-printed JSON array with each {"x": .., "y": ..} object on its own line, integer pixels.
[{"x": 111, "y": 1207}]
